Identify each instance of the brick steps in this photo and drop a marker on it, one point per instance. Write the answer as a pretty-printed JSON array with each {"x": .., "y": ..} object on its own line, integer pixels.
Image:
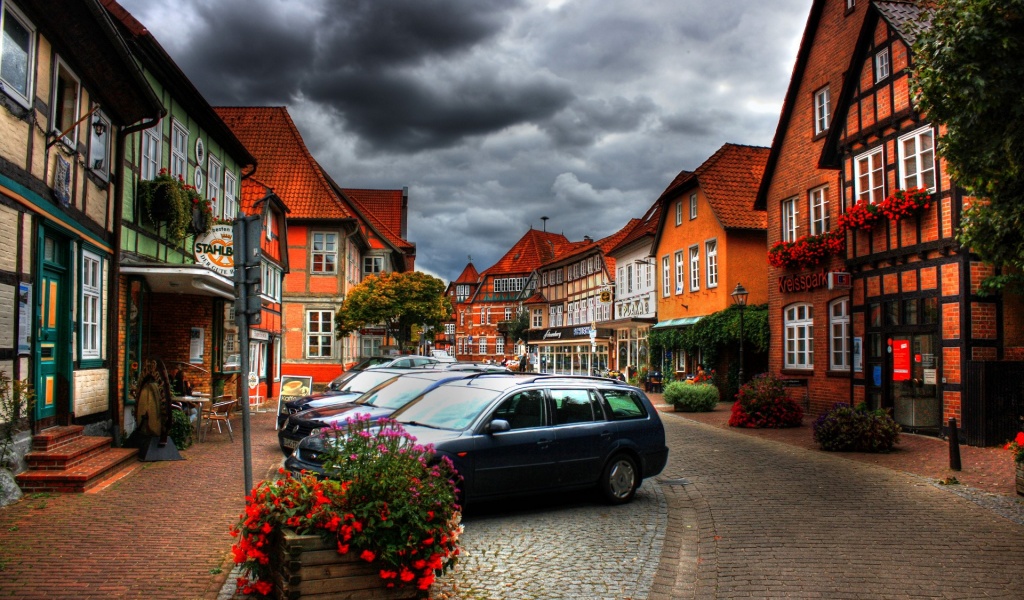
[{"x": 64, "y": 460}]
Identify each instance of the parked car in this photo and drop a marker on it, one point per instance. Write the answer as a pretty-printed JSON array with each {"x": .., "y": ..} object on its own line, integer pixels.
[
  {"x": 514, "y": 434},
  {"x": 442, "y": 356},
  {"x": 406, "y": 360},
  {"x": 395, "y": 391},
  {"x": 343, "y": 388},
  {"x": 468, "y": 366}
]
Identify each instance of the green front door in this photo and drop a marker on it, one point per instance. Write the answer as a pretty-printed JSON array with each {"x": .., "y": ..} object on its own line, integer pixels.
[{"x": 51, "y": 355}]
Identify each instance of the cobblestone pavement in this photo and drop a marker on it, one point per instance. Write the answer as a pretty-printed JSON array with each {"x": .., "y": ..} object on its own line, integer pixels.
[{"x": 760, "y": 519}]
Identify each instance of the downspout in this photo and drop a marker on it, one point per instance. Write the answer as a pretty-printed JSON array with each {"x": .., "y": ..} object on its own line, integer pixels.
[{"x": 114, "y": 289}]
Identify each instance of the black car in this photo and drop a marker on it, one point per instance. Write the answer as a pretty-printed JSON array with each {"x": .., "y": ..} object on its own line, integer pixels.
[
  {"x": 398, "y": 389},
  {"x": 527, "y": 434},
  {"x": 344, "y": 388}
]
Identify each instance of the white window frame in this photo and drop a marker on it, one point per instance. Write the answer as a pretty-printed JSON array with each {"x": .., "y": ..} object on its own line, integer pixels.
[
  {"x": 869, "y": 176},
  {"x": 839, "y": 334},
  {"x": 482, "y": 345},
  {"x": 11, "y": 87},
  {"x": 917, "y": 163},
  {"x": 680, "y": 271},
  {"x": 882, "y": 66},
  {"x": 666, "y": 277},
  {"x": 711, "y": 263},
  {"x": 693, "y": 206},
  {"x": 679, "y": 213},
  {"x": 99, "y": 145},
  {"x": 316, "y": 320},
  {"x": 817, "y": 204},
  {"x": 214, "y": 172},
  {"x": 230, "y": 195},
  {"x": 59, "y": 118},
  {"x": 790, "y": 220},
  {"x": 694, "y": 261},
  {"x": 179, "y": 149},
  {"x": 270, "y": 282},
  {"x": 798, "y": 336},
  {"x": 152, "y": 145},
  {"x": 499, "y": 345},
  {"x": 822, "y": 110},
  {"x": 538, "y": 318},
  {"x": 91, "y": 316},
  {"x": 323, "y": 245},
  {"x": 373, "y": 265}
]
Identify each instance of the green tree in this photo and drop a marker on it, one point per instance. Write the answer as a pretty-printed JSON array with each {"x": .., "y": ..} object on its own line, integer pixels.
[
  {"x": 397, "y": 301},
  {"x": 519, "y": 325},
  {"x": 969, "y": 77}
]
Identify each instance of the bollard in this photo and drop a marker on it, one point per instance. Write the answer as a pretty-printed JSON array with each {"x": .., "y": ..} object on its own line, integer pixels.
[{"x": 954, "y": 446}]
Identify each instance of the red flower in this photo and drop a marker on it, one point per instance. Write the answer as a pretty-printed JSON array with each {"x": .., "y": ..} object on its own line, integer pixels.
[{"x": 367, "y": 555}]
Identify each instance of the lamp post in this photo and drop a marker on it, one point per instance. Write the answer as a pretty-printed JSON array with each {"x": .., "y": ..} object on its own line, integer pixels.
[{"x": 739, "y": 298}]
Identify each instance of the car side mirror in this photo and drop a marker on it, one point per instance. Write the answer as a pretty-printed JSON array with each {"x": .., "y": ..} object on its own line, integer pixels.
[{"x": 498, "y": 425}]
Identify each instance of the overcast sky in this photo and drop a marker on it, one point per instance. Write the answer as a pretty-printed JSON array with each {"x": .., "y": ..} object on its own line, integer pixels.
[{"x": 495, "y": 113}]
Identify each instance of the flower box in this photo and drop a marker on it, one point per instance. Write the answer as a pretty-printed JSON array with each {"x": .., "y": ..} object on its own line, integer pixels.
[{"x": 306, "y": 567}]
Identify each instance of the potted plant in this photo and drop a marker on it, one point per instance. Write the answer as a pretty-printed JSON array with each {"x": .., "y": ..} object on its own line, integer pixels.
[
  {"x": 16, "y": 400},
  {"x": 1017, "y": 447},
  {"x": 164, "y": 199},
  {"x": 200, "y": 211},
  {"x": 385, "y": 508}
]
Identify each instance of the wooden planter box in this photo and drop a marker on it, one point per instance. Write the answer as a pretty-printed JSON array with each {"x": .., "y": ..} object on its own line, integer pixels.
[
  {"x": 305, "y": 567},
  {"x": 1020, "y": 479}
]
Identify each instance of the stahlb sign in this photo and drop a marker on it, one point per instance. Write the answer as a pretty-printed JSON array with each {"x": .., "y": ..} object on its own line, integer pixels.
[{"x": 215, "y": 250}]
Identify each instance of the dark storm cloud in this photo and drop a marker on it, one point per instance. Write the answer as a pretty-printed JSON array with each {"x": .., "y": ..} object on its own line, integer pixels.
[{"x": 495, "y": 112}]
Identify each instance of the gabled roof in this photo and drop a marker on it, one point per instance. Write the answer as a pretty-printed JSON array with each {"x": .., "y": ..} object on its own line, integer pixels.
[
  {"x": 536, "y": 298},
  {"x": 468, "y": 275},
  {"x": 729, "y": 180},
  {"x": 646, "y": 225},
  {"x": 285, "y": 163},
  {"x": 256, "y": 199},
  {"x": 156, "y": 60},
  {"x": 802, "y": 56},
  {"x": 532, "y": 250},
  {"x": 906, "y": 18},
  {"x": 383, "y": 211}
]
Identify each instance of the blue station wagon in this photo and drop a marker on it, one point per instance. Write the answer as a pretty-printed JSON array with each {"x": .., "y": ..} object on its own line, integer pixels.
[{"x": 512, "y": 435}]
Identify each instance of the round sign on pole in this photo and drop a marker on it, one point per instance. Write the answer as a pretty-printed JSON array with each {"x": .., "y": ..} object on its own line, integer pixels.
[{"x": 254, "y": 381}]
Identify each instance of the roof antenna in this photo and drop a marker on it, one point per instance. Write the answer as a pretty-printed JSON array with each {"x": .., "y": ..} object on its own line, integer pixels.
[{"x": 545, "y": 219}]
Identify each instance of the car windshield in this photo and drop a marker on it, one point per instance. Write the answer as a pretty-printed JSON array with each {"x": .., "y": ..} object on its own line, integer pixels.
[
  {"x": 364, "y": 381},
  {"x": 395, "y": 393},
  {"x": 447, "y": 407}
]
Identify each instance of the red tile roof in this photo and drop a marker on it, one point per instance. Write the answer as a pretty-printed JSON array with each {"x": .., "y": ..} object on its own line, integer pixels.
[
  {"x": 285, "y": 164},
  {"x": 729, "y": 179},
  {"x": 532, "y": 250},
  {"x": 383, "y": 209},
  {"x": 646, "y": 225},
  {"x": 468, "y": 275}
]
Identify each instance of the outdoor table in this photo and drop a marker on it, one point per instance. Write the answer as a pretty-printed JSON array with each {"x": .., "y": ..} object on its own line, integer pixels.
[{"x": 198, "y": 402}]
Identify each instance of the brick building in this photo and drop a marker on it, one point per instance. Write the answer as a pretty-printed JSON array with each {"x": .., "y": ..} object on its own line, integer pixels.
[{"x": 904, "y": 326}]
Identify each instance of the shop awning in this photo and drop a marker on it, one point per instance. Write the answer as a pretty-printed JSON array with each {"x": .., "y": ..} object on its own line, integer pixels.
[
  {"x": 191, "y": 280},
  {"x": 671, "y": 323}
]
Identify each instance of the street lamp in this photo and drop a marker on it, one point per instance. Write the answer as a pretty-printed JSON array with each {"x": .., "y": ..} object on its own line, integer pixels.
[{"x": 739, "y": 298}]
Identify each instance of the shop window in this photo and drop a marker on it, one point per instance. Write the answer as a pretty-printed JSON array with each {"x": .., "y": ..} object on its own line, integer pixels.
[
  {"x": 230, "y": 353},
  {"x": 910, "y": 312},
  {"x": 325, "y": 252},
  {"x": 799, "y": 336},
  {"x": 839, "y": 335},
  {"x": 320, "y": 334}
]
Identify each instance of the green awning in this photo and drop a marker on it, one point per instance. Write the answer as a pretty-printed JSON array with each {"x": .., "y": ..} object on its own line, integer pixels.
[{"x": 683, "y": 322}]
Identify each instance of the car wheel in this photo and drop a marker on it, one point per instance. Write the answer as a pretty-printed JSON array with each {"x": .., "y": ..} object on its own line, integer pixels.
[{"x": 620, "y": 479}]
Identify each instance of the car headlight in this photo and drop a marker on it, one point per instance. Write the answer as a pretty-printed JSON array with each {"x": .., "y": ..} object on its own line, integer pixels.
[
  {"x": 285, "y": 426},
  {"x": 314, "y": 432}
]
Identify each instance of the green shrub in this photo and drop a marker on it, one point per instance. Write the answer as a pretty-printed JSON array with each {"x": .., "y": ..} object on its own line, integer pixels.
[
  {"x": 762, "y": 402},
  {"x": 182, "y": 429},
  {"x": 691, "y": 397},
  {"x": 848, "y": 429}
]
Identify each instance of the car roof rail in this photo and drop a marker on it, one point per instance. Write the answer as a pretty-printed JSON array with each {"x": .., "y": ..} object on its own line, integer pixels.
[{"x": 549, "y": 376}]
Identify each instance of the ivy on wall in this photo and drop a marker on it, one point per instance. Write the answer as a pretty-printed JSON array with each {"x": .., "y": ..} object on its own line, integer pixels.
[{"x": 715, "y": 332}]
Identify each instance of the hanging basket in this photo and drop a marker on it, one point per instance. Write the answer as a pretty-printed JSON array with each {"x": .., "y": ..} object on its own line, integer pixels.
[{"x": 306, "y": 567}]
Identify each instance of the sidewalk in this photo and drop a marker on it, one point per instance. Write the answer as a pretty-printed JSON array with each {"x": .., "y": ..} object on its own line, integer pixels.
[{"x": 984, "y": 470}]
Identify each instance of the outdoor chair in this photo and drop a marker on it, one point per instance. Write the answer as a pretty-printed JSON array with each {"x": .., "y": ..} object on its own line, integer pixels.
[{"x": 219, "y": 412}]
